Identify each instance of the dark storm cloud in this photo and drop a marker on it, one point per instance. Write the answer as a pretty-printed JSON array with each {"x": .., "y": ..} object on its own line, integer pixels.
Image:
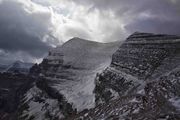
[
  {"x": 17, "y": 40},
  {"x": 21, "y": 30}
]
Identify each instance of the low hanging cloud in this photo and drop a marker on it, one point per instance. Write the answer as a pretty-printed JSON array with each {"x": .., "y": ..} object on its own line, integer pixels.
[{"x": 24, "y": 28}]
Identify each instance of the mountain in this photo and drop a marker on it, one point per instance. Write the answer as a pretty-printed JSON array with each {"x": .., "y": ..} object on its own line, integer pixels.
[
  {"x": 18, "y": 66},
  {"x": 69, "y": 72},
  {"x": 138, "y": 79},
  {"x": 142, "y": 81}
]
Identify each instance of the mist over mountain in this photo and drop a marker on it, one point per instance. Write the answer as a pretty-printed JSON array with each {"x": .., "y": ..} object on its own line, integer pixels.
[{"x": 16, "y": 67}]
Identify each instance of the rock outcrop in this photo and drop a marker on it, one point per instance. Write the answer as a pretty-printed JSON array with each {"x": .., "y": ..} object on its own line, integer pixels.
[
  {"x": 142, "y": 81},
  {"x": 142, "y": 58}
]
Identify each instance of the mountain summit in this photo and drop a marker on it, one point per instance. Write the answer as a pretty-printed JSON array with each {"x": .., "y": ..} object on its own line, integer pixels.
[{"x": 70, "y": 71}]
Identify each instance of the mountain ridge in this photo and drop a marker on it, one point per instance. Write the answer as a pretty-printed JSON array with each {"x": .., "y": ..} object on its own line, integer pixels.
[
  {"x": 70, "y": 70},
  {"x": 135, "y": 79}
]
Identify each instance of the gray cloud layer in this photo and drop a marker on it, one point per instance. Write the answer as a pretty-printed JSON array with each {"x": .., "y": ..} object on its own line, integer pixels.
[
  {"x": 29, "y": 28},
  {"x": 22, "y": 30},
  {"x": 161, "y": 16}
]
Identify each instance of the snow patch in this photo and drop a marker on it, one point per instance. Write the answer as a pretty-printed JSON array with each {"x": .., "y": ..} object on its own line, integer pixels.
[
  {"x": 175, "y": 102},
  {"x": 39, "y": 108}
]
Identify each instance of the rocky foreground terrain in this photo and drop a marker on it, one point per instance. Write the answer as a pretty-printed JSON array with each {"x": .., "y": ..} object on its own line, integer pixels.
[{"x": 138, "y": 79}]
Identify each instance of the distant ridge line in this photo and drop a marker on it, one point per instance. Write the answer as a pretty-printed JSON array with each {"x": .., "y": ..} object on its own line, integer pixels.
[{"x": 172, "y": 41}]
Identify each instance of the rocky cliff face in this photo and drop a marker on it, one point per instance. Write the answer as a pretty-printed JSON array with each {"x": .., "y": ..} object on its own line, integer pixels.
[
  {"x": 68, "y": 74},
  {"x": 142, "y": 81},
  {"x": 142, "y": 54},
  {"x": 158, "y": 100}
]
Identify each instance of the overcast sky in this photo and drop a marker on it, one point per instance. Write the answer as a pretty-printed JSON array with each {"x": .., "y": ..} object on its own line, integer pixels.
[{"x": 29, "y": 28}]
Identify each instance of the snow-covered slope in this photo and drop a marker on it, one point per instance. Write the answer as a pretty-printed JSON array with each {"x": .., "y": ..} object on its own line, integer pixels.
[
  {"x": 83, "y": 53},
  {"x": 40, "y": 106},
  {"x": 71, "y": 69},
  {"x": 81, "y": 61}
]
